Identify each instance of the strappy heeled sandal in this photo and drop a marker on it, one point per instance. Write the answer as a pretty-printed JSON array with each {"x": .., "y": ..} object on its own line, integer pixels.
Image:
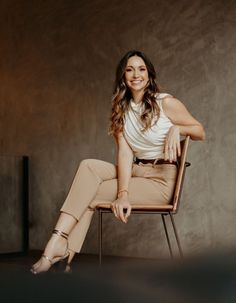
[
  {"x": 56, "y": 258},
  {"x": 68, "y": 269}
]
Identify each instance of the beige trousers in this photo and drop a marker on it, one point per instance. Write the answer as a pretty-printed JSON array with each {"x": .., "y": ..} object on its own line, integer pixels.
[{"x": 96, "y": 181}]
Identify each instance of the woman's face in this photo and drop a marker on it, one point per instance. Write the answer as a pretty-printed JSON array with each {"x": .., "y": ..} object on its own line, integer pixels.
[{"x": 136, "y": 74}]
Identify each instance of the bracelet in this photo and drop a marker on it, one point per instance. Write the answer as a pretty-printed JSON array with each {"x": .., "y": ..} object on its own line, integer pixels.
[{"x": 123, "y": 190}]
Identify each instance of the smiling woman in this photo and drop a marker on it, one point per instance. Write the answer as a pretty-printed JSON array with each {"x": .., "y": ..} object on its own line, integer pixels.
[
  {"x": 147, "y": 125},
  {"x": 136, "y": 77}
]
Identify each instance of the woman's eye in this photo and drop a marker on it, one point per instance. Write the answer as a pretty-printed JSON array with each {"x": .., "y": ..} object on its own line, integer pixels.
[{"x": 141, "y": 69}]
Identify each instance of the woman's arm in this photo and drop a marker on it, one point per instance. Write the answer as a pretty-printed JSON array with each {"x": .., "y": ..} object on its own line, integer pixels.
[
  {"x": 124, "y": 162},
  {"x": 184, "y": 124},
  {"x": 180, "y": 116}
]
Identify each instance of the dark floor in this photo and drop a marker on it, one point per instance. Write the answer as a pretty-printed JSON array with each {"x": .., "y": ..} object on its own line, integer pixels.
[
  {"x": 202, "y": 279},
  {"x": 22, "y": 263}
]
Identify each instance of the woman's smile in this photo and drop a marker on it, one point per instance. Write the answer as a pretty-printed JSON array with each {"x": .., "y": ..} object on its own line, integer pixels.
[
  {"x": 136, "y": 81},
  {"x": 136, "y": 76}
]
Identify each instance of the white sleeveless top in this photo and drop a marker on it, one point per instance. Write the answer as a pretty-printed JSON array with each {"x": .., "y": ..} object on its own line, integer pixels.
[{"x": 150, "y": 144}]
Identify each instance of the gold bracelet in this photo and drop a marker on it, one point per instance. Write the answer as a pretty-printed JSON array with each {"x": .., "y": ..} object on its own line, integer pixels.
[{"x": 123, "y": 190}]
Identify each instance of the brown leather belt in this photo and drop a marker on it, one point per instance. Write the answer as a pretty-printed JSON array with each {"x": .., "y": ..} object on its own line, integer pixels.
[{"x": 159, "y": 161}]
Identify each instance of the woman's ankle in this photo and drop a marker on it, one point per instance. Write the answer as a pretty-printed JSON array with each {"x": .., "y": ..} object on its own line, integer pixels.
[
  {"x": 71, "y": 255},
  {"x": 56, "y": 245}
]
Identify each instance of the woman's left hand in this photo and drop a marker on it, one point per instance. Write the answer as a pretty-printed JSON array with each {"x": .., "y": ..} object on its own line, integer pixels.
[{"x": 172, "y": 144}]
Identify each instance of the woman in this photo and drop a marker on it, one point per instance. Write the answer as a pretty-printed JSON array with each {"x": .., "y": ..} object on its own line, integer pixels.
[{"x": 146, "y": 124}]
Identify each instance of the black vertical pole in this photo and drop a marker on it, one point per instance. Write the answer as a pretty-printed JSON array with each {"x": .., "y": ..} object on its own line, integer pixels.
[{"x": 25, "y": 203}]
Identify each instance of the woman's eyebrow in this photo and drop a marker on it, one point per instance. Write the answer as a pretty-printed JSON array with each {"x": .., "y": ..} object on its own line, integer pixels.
[{"x": 138, "y": 66}]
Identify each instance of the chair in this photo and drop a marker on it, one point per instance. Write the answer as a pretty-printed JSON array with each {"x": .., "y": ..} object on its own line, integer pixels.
[{"x": 163, "y": 210}]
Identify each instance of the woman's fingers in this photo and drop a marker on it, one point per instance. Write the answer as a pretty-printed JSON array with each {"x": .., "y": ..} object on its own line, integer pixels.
[
  {"x": 174, "y": 151},
  {"x": 115, "y": 210},
  {"x": 179, "y": 149},
  {"x": 172, "y": 144},
  {"x": 170, "y": 154},
  {"x": 166, "y": 151},
  {"x": 128, "y": 212},
  {"x": 121, "y": 213},
  {"x": 118, "y": 210}
]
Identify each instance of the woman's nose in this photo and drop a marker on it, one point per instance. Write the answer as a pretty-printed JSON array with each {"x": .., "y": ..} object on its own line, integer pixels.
[{"x": 136, "y": 73}]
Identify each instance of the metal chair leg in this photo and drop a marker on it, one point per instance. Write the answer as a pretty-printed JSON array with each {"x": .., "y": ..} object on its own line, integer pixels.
[
  {"x": 167, "y": 236},
  {"x": 176, "y": 235},
  {"x": 100, "y": 235}
]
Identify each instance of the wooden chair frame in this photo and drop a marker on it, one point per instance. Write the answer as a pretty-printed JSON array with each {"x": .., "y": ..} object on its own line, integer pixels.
[{"x": 163, "y": 210}]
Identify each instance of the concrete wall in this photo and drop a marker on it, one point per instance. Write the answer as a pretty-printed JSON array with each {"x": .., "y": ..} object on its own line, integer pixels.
[{"x": 57, "y": 64}]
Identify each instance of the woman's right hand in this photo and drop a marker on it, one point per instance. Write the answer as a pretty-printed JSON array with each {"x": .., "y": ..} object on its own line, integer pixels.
[{"x": 118, "y": 207}]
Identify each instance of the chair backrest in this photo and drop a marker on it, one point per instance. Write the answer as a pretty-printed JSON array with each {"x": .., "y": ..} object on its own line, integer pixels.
[{"x": 181, "y": 172}]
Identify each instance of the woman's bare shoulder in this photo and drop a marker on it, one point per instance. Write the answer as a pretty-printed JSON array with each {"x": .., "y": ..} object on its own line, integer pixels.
[
  {"x": 171, "y": 102},
  {"x": 160, "y": 96}
]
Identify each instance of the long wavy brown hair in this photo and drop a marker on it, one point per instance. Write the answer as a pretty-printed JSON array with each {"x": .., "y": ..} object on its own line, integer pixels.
[{"x": 122, "y": 95}]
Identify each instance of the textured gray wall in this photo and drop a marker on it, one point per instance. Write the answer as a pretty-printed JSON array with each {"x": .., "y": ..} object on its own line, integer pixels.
[{"x": 57, "y": 64}]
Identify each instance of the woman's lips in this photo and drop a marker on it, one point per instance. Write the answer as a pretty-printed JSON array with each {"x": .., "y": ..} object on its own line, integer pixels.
[{"x": 136, "y": 81}]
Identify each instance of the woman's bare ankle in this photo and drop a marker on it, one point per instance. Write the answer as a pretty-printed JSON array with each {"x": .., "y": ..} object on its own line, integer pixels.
[
  {"x": 71, "y": 255},
  {"x": 56, "y": 246}
]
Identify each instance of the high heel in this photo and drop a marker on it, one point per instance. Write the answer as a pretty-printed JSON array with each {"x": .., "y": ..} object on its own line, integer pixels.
[
  {"x": 68, "y": 269},
  {"x": 55, "y": 259}
]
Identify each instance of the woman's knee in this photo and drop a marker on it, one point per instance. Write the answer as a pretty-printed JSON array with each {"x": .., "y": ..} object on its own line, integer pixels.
[
  {"x": 103, "y": 169},
  {"x": 89, "y": 162},
  {"x": 98, "y": 165}
]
